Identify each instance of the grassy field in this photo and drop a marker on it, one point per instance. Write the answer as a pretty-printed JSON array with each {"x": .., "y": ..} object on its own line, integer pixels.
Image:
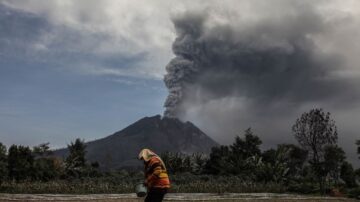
[
  {"x": 94, "y": 187},
  {"x": 183, "y": 183}
]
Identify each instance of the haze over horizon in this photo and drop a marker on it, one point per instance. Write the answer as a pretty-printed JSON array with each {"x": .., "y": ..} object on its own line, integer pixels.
[{"x": 87, "y": 69}]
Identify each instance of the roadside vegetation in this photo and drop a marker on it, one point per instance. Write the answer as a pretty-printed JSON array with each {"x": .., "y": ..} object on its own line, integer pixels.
[{"x": 316, "y": 165}]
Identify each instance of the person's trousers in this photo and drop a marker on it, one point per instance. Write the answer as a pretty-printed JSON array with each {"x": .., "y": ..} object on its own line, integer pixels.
[{"x": 155, "y": 195}]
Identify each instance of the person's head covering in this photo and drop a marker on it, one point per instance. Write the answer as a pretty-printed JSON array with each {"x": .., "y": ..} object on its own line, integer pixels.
[{"x": 146, "y": 154}]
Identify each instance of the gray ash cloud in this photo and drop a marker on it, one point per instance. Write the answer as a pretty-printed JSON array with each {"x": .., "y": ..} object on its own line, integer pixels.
[{"x": 270, "y": 60}]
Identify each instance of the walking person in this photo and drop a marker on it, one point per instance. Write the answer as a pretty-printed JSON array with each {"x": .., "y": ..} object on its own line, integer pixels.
[{"x": 156, "y": 177}]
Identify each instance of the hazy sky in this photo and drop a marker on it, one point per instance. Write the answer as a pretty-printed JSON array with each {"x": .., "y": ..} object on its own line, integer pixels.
[{"x": 88, "y": 68}]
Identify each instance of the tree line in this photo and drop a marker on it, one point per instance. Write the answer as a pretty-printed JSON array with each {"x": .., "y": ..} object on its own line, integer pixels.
[
  {"x": 317, "y": 162},
  {"x": 22, "y": 163}
]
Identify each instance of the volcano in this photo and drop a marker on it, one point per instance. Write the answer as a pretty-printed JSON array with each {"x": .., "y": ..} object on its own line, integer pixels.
[{"x": 120, "y": 149}]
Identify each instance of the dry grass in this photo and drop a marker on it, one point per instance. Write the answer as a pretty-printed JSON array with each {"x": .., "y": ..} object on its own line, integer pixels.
[
  {"x": 113, "y": 185},
  {"x": 65, "y": 187}
]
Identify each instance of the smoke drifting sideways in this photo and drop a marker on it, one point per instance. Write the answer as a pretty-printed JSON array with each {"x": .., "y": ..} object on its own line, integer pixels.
[{"x": 230, "y": 73}]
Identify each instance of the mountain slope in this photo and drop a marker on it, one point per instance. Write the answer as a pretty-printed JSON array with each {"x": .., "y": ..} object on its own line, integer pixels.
[{"x": 156, "y": 133}]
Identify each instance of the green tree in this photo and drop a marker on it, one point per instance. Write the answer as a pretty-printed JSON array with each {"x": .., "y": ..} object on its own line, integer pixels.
[
  {"x": 77, "y": 151},
  {"x": 178, "y": 162},
  {"x": 357, "y": 174},
  {"x": 348, "y": 174},
  {"x": 283, "y": 164},
  {"x": 20, "y": 162},
  {"x": 274, "y": 166},
  {"x": 314, "y": 130},
  {"x": 42, "y": 150},
  {"x": 45, "y": 165},
  {"x": 239, "y": 158},
  {"x": 243, "y": 152},
  {"x": 269, "y": 155},
  {"x": 199, "y": 163},
  {"x": 247, "y": 147},
  {"x": 76, "y": 162},
  {"x": 334, "y": 157},
  {"x": 3, "y": 163},
  {"x": 218, "y": 163},
  {"x": 45, "y": 169},
  {"x": 296, "y": 159},
  {"x": 171, "y": 162}
]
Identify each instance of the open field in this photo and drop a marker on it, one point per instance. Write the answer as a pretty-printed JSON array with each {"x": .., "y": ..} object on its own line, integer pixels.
[{"x": 184, "y": 197}]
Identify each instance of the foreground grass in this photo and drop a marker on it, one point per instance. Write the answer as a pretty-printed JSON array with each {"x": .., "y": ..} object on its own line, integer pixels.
[
  {"x": 110, "y": 185},
  {"x": 182, "y": 183},
  {"x": 64, "y": 187}
]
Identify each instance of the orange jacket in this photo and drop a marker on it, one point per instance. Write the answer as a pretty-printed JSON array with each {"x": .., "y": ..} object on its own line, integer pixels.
[{"x": 155, "y": 174}]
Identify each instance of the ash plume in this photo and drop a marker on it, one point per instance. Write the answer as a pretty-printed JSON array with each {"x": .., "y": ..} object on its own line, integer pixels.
[
  {"x": 267, "y": 61},
  {"x": 226, "y": 67},
  {"x": 184, "y": 67}
]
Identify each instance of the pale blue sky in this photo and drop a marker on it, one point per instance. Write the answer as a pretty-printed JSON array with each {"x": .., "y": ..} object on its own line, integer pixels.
[
  {"x": 56, "y": 85},
  {"x": 40, "y": 104}
]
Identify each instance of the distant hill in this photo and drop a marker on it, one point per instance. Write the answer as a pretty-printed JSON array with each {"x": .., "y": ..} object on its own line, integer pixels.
[{"x": 159, "y": 134}]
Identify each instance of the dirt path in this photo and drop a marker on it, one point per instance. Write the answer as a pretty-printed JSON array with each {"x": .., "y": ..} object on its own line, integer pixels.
[{"x": 263, "y": 197}]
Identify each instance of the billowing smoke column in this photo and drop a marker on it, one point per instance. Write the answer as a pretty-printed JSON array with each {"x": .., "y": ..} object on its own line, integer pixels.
[
  {"x": 184, "y": 67},
  {"x": 268, "y": 60}
]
